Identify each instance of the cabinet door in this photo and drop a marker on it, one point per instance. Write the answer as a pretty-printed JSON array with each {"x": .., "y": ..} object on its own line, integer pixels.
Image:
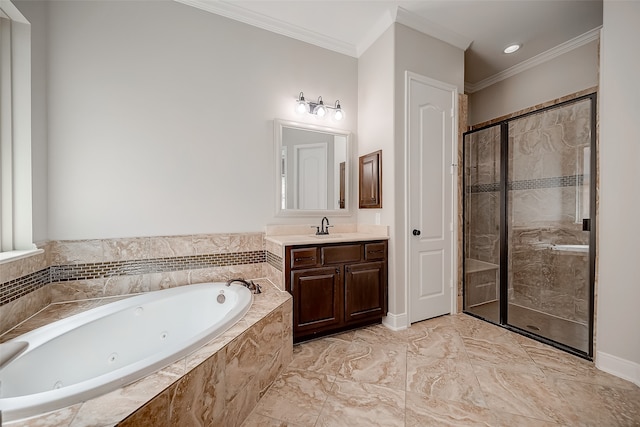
[
  {"x": 365, "y": 291},
  {"x": 370, "y": 180},
  {"x": 317, "y": 300}
]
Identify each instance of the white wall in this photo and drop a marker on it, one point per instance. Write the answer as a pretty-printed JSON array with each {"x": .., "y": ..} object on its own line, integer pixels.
[
  {"x": 618, "y": 316},
  {"x": 381, "y": 126},
  {"x": 160, "y": 115},
  {"x": 566, "y": 74},
  {"x": 376, "y": 132}
]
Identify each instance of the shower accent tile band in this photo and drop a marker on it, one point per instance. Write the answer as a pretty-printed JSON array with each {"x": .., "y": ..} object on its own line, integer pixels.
[{"x": 530, "y": 184}]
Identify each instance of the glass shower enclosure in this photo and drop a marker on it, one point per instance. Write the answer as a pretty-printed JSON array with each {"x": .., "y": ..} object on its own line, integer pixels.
[{"x": 529, "y": 204}]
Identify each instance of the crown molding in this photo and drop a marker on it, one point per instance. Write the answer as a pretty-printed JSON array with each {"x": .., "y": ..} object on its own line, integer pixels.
[
  {"x": 384, "y": 22},
  {"x": 400, "y": 15},
  {"x": 11, "y": 12},
  {"x": 432, "y": 29},
  {"x": 541, "y": 58},
  {"x": 277, "y": 26}
]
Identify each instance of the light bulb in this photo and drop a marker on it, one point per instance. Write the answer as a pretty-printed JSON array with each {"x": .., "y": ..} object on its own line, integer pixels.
[
  {"x": 338, "y": 115},
  {"x": 301, "y": 105},
  {"x": 320, "y": 109}
]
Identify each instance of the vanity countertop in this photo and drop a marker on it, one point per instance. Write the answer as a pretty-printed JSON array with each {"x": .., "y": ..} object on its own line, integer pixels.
[
  {"x": 289, "y": 235},
  {"x": 310, "y": 239}
]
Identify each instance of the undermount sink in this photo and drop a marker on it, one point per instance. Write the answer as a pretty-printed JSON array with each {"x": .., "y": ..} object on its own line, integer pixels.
[{"x": 326, "y": 236}]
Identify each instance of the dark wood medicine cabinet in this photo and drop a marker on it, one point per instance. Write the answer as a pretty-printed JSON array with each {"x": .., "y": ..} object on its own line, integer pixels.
[{"x": 370, "y": 180}]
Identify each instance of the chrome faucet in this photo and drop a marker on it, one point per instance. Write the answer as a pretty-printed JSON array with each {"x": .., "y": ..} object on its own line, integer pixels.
[
  {"x": 323, "y": 229},
  {"x": 249, "y": 284}
]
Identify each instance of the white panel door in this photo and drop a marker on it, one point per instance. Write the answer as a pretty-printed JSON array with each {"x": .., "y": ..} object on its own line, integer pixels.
[
  {"x": 430, "y": 138},
  {"x": 310, "y": 172}
]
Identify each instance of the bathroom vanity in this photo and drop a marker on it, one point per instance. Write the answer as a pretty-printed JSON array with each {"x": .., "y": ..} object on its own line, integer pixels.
[{"x": 337, "y": 283}]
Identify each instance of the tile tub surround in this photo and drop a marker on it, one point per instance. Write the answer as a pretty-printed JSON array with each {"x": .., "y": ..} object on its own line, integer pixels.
[
  {"x": 85, "y": 269},
  {"x": 218, "y": 384},
  {"x": 448, "y": 371}
]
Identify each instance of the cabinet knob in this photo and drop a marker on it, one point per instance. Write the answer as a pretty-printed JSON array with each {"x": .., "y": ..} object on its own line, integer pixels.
[{"x": 416, "y": 232}]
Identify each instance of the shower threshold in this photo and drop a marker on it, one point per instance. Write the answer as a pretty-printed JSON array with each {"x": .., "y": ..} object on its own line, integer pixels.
[{"x": 564, "y": 331}]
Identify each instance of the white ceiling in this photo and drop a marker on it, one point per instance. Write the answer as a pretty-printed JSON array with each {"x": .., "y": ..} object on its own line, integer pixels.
[{"x": 482, "y": 27}]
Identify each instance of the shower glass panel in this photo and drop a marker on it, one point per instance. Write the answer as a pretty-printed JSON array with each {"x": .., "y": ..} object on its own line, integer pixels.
[
  {"x": 528, "y": 241},
  {"x": 548, "y": 221},
  {"x": 482, "y": 223}
]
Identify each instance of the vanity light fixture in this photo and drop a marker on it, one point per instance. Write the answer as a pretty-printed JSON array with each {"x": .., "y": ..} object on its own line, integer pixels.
[
  {"x": 318, "y": 108},
  {"x": 512, "y": 48}
]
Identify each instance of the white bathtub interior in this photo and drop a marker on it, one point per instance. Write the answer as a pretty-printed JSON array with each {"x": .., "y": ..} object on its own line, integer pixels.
[{"x": 104, "y": 348}]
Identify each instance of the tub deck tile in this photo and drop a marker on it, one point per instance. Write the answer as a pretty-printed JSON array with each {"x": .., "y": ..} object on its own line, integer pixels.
[{"x": 160, "y": 398}]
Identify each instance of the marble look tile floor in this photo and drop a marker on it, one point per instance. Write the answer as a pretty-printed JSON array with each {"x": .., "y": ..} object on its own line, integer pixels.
[{"x": 449, "y": 371}]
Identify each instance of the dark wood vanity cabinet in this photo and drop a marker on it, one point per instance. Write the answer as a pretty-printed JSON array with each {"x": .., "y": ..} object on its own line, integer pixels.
[
  {"x": 336, "y": 287},
  {"x": 316, "y": 299}
]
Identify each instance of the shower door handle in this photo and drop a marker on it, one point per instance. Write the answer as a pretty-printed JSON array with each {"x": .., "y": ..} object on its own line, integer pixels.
[{"x": 416, "y": 232}]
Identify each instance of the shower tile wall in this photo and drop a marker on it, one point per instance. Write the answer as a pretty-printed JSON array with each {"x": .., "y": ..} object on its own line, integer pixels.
[
  {"x": 545, "y": 197},
  {"x": 81, "y": 269},
  {"x": 463, "y": 120},
  {"x": 482, "y": 215},
  {"x": 544, "y": 200},
  {"x": 483, "y": 188}
]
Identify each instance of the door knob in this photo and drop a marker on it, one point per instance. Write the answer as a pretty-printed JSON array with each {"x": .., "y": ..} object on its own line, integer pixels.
[{"x": 416, "y": 232}]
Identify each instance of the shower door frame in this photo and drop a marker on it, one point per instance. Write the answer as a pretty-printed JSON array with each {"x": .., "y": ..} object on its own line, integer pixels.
[{"x": 504, "y": 215}]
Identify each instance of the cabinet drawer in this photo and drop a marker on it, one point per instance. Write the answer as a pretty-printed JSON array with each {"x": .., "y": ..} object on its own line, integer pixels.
[
  {"x": 304, "y": 257},
  {"x": 341, "y": 254},
  {"x": 374, "y": 251}
]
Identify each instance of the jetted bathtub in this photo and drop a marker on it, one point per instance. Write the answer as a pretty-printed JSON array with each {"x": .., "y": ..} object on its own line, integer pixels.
[{"x": 97, "y": 351}]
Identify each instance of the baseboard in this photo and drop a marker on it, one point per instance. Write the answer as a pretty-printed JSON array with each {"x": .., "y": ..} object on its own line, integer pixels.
[
  {"x": 395, "y": 322},
  {"x": 619, "y": 367}
]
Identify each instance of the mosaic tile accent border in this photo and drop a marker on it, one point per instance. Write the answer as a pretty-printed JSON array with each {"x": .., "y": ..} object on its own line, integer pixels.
[
  {"x": 274, "y": 261},
  {"x": 99, "y": 270},
  {"x": 14, "y": 289},
  {"x": 484, "y": 188},
  {"x": 531, "y": 184}
]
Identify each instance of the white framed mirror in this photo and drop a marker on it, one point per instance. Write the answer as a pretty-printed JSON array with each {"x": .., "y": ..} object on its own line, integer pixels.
[{"x": 312, "y": 170}]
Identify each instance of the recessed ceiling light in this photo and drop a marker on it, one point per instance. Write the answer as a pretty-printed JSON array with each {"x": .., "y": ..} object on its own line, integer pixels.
[{"x": 511, "y": 48}]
